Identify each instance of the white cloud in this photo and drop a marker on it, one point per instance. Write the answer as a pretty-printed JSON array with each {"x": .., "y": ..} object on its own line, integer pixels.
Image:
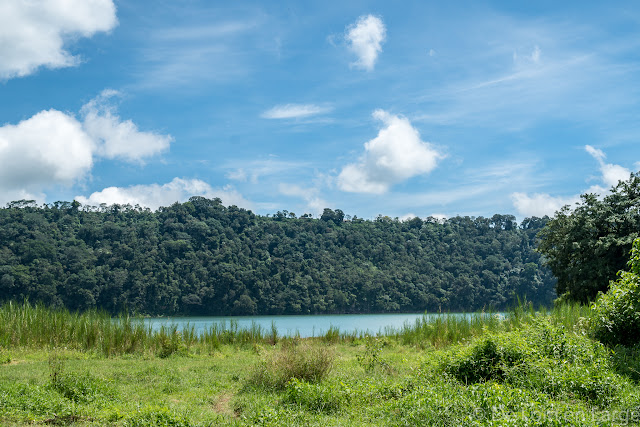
[
  {"x": 365, "y": 38},
  {"x": 544, "y": 204},
  {"x": 33, "y": 33},
  {"x": 611, "y": 174},
  {"x": 116, "y": 138},
  {"x": 293, "y": 111},
  {"x": 155, "y": 195},
  {"x": 595, "y": 153},
  {"x": 407, "y": 217},
  {"x": 315, "y": 204},
  {"x": 396, "y": 154},
  {"x": 55, "y": 148},
  {"x": 189, "y": 56},
  {"x": 252, "y": 171},
  {"x": 237, "y": 175},
  {"x": 540, "y": 204},
  {"x": 48, "y": 148}
]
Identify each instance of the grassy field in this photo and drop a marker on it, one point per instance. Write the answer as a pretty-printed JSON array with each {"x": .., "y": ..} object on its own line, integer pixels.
[{"x": 530, "y": 369}]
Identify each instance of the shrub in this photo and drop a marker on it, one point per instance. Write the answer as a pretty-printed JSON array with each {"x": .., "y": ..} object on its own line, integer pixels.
[
  {"x": 616, "y": 314},
  {"x": 304, "y": 361},
  {"x": 489, "y": 358}
]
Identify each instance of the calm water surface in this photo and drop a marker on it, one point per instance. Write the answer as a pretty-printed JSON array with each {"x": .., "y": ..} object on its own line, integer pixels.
[{"x": 304, "y": 325}]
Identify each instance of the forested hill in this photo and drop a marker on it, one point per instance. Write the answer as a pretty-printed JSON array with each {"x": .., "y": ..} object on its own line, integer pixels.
[{"x": 200, "y": 257}]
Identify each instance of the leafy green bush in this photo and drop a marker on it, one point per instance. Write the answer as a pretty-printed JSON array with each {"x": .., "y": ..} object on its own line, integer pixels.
[
  {"x": 616, "y": 314},
  {"x": 489, "y": 358},
  {"x": 544, "y": 358},
  {"x": 304, "y": 361}
]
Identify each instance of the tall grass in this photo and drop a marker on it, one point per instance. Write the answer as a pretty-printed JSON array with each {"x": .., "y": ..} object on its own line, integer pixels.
[
  {"x": 27, "y": 325},
  {"x": 37, "y": 326}
]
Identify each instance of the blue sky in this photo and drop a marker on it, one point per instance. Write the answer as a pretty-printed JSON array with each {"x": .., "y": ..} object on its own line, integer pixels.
[{"x": 401, "y": 109}]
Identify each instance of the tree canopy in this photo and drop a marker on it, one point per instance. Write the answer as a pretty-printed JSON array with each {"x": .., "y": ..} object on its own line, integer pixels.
[
  {"x": 202, "y": 258},
  {"x": 585, "y": 246}
]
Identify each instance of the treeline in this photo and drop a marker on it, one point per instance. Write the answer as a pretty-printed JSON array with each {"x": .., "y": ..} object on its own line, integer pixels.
[{"x": 202, "y": 258}]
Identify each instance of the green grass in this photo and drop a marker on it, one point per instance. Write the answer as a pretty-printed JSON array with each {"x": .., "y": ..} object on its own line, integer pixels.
[{"x": 532, "y": 368}]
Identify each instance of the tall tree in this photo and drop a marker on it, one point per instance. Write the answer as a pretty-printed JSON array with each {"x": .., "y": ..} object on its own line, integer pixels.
[{"x": 586, "y": 246}]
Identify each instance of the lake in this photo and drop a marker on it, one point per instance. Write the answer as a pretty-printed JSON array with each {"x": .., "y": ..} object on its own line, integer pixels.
[{"x": 304, "y": 325}]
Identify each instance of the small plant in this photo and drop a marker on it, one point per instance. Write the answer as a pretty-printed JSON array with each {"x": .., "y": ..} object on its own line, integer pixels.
[
  {"x": 171, "y": 343},
  {"x": 5, "y": 357},
  {"x": 371, "y": 359},
  {"x": 332, "y": 335}
]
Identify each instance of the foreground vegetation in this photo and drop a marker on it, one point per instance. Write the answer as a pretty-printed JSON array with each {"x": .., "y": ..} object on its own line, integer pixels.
[{"x": 531, "y": 368}]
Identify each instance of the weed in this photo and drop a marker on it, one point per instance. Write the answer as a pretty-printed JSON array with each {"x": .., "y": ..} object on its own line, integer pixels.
[
  {"x": 327, "y": 398},
  {"x": 304, "y": 361},
  {"x": 5, "y": 357},
  {"x": 73, "y": 386},
  {"x": 370, "y": 359}
]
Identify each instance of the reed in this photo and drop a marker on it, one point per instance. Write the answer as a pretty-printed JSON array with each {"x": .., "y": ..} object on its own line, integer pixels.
[{"x": 37, "y": 326}]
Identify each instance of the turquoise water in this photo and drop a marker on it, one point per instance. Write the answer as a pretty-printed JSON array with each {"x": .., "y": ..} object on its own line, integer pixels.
[{"x": 304, "y": 325}]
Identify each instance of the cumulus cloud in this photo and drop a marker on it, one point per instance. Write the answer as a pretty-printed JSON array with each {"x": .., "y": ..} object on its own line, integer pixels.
[
  {"x": 294, "y": 111},
  {"x": 116, "y": 138},
  {"x": 155, "y": 195},
  {"x": 34, "y": 33},
  {"x": 364, "y": 38},
  {"x": 540, "y": 204},
  {"x": 50, "y": 147},
  {"x": 396, "y": 154},
  {"x": 55, "y": 148},
  {"x": 544, "y": 204},
  {"x": 611, "y": 174}
]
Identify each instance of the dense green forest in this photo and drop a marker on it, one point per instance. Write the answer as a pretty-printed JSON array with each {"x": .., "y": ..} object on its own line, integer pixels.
[
  {"x": 202, "y": 258},
  {"x": 587, "y": 244}
]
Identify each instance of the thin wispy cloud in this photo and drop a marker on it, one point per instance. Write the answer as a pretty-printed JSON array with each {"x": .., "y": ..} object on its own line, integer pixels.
[
  {"x": 295, "y": 111},
  {"x": 528, "y": 72},
  {"x": 253, "y": 170},
  {"x": 313, "y": 202},
  {"x": 190, "y": 56}
]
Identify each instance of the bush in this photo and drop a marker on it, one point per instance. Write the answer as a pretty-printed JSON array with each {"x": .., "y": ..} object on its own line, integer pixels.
[
  {"x": 541, "y": 357},
  {"x": 489, "y": 358},
  {"x": 616, "y": 314},
  {"x": 305, "y": 361}
]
